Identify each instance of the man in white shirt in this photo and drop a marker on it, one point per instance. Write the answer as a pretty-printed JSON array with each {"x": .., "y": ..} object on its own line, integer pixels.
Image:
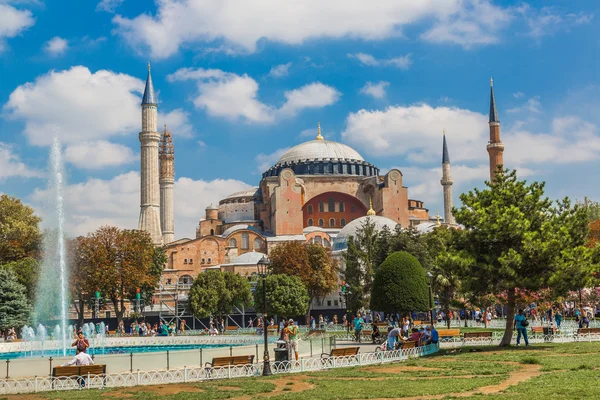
[{"x": 80, "y": 359}]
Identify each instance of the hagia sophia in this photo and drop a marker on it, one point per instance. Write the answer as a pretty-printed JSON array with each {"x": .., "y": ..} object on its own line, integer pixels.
[{"x": 319, "y": 191}]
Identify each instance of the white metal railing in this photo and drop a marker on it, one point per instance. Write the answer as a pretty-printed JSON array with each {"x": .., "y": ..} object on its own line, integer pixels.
[{"x": 196, "y": 374}]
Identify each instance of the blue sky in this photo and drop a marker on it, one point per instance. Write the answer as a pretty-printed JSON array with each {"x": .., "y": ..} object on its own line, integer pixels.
[{"x": 239, "y": 82}]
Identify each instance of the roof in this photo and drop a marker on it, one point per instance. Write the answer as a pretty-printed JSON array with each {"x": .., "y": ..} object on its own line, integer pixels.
[
  {"x": 149, "y": 97},
  {"x": 493, "y": 111},
  {"x": 445, "y": 155},
  {"x": 254, "y": 192},
  {"x": 240, "y": 227},
  {"x": 319, "y": 150},
  {"x": 341, "y": 240},
  {"x": 211, "y": 207},
  {"x": 249, "y": 258}
]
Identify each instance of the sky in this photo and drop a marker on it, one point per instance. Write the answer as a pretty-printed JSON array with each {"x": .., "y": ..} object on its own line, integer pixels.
[{"x": 239, "y": 82}]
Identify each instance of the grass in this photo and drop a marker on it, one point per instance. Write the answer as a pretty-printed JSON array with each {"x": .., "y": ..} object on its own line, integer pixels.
[{"x": 546, "y": 371}]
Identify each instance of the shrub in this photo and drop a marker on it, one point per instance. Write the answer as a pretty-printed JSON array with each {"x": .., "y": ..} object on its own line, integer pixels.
[{"x": 400, "y": 285}]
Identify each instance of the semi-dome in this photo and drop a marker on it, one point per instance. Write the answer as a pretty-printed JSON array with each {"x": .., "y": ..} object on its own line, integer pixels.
[
  {"x": 253, "y": 192},
  {"x": 341, "y": 240},
  {"x": 251, "y": 257},
  {"x": 239, "y": 227}
]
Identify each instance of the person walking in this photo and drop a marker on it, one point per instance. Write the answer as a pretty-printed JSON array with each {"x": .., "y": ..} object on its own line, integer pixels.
[
  {"x": 520, "y": 324},
  {"x": 358, "y": 326}
]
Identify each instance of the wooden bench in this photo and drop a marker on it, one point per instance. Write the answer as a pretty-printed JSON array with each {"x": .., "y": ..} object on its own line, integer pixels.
[
  {"x": 231, "y": 328},
  {"x": 80, "y": 372},
  {"x": 271, "y": 329},
  {"x": 409, "y": 344},
  {"x": 472, "y": 335},
  {"x": 230, "y": 361},
  {"x": 415, "y": 323},
  {"x": 442, "y": 333},
  {"x": 537, "y": 329},
  {"x": 112, "y": 332},
  {"x": 585, "y": 331},
  {"x": 341, "y": 352}
]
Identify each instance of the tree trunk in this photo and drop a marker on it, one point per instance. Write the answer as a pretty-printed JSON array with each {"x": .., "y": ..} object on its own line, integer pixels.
[
  {"x": 118, "y": 311},
  {"x": 466, "y": 325},
  {"x": 510, "y": 315},
  {"x": 308, "y": 311}
]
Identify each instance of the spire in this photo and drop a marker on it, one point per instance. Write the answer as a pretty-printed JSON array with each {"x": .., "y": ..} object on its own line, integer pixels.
[
  {"x": 371, "y": 211},
  {"x": 319, "y": 137},
  {"x": 149, "y": 97},
  {"x": 445, "y": 155},
  {"x": 493, "y": 111}
]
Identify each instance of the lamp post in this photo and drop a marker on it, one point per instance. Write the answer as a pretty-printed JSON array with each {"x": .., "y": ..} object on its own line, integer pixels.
[
  {"x": 263, "y": 266},
  {"x": 429, "y": 285}
]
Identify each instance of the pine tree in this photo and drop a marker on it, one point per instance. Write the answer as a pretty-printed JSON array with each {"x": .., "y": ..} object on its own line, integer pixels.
[{"x": 15, "y": 309}]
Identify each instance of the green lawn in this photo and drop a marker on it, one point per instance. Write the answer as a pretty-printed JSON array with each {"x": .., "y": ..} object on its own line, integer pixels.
[{"x": 548, "y": 371}]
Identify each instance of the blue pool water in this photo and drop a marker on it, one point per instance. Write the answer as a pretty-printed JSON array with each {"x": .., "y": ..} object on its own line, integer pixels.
[{"x": 113, "y": 350}]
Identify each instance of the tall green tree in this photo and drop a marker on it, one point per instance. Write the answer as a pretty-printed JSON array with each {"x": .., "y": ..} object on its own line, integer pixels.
[
  {"x": 27, "y": 271},
  {"x": 287, "y": 296},
  {"x": 312, "y": 263},
  {"x": 400, "y": 285},
  {"x": 217, "y": 293},
  {"x": 411, "y": 241},
  {"x": 518, "y": 239},
  {"x": 15, "y": 309},
  {"x": 20, "y": 235}
]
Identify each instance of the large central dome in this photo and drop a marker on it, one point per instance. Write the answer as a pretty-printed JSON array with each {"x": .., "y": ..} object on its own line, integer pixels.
[
  {"x": 322, "y": 157},
  {"x": 320, "y": 150}
]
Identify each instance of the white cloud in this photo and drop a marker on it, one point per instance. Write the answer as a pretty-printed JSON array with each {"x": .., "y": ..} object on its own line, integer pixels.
[
  {"x": 13, "y": 21},
  {"x": 392, "y": 132},
  {"x": 11, "y": 165},
  {"x": 56, "y": 46},
  {"x": 549, "y": 20},
  {"x": 178, "y": 122},
  {"x": 281, "y": 70},
  {"x": 402, "y": 62},
  {"x": 313, "y": 95},
  {"x": 116, "y": 201},
  {"x": 477, "y": 22},
  {"x": 569, "y": 140},
  {"x": 98, "y": 154},
  {"x": 518, "y": 95},
  {"x": 180, "y": 23},
  {"x": 266, "y": 161},
  {"x": 376, "y": 90},
  {"x": 532, "y": 106},
  {"x": 84, "y": 106},
  {"x": 109, "y": 6},
  {"x": 232, "y": 96},
  {"x": 78, "y": 104}
]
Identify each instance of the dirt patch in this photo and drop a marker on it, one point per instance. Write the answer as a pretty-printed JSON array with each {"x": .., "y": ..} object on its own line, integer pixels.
[
  {"x": 400, "y": 368},
  {"x": 289, "y": 384},
  {"x": 24, "y": 397},
  {"x": 160, "y": 390}
]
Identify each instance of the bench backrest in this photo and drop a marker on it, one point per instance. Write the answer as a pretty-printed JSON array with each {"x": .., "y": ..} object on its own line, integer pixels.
[
  {"x": 409, "y": 345},
  {"x": 338, "y": 352},
  {"x": 449, "y": 332},
  {"x": 98, "y": 369},
  {"x": 221, "y": 361},
  {"x": 351, "y": 351},
  {"x": 242, "y": 360},
  {"x": 231, "y": 328},
  {"x": 232, "y": 360},
  {"x": 537, "y": 329},
  {"x": 477, "y": 334},
  {"x": 588, "y": 330}
]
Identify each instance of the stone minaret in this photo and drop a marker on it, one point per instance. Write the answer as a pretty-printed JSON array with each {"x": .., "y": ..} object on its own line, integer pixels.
[
  {"x": 149, "y": 137},
  {"x": 167, "y": 181},
  {"x": 495, "y": 147},
  {"x": 447, "y": 184}
]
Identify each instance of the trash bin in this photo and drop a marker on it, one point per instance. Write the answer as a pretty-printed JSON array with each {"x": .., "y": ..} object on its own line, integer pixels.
[
  {"x": 281, "y": 351},
  {"x": 548, "y": 332}
]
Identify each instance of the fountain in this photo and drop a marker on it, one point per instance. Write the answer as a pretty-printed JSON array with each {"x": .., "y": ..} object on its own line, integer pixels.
[{"x": 51, "y": 296}]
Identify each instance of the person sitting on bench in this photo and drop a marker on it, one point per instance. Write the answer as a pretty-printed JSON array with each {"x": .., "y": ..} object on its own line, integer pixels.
[
  {"x": 375, "y": 334},
  {"x": 81, "y": 358}
]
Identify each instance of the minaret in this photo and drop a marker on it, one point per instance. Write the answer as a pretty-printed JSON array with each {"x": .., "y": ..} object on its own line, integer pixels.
[
  {"x": 495, "y": 147},
  {"x": 149, "y": 137},
  {"x": 167, "y": 181},
  {"x": 447, "y": 184}
]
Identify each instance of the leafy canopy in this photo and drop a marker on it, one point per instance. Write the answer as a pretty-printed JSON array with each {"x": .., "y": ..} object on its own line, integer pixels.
[
  {"x": 20, "y": 235},
  {"x": 217, "y": 293},
  {"x": 400, "y": 285},
  {"x": 287, "y": 296}
]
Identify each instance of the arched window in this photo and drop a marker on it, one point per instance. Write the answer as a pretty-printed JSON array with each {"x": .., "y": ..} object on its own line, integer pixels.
[
  {"x": 203, "y": 261},
  {"x": 245, "y": 241},
  {"x": 185, "y": 260},
  {"x": 341, "y": 206},
  {"x": 310, "y": 222},
  {"x": 257, "y": 244},
  {"x": 232, "y": 242},
  {"x": 186, "y": 280},
  {"x": 191, "y": 260},
  {"x": 321, "y": 206},
  {"x": 321, "y": 222},
  {"x": 343, "y": 222},
  {"x": 212, "y": 232},
  {"x": 331, "y": 222},
  {"x": 331, "y": 205},
  {"x": 319, "y": 240},
  {"x": 209, "y": 261},
  {"x": 310, "y": 209}
]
